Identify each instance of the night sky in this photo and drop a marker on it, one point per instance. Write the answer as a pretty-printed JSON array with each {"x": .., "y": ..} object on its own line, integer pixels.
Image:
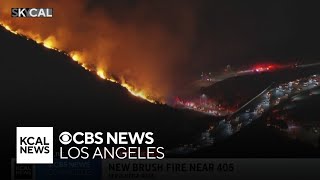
[{"x": 239, "y": 32}]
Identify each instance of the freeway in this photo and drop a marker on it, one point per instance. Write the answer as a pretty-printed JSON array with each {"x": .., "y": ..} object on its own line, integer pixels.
[
  {"x": 249, "y": 102},
  {"x": 268, "y": 99}
]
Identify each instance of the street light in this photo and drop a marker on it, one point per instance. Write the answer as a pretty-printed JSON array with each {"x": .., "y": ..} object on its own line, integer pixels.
[{"x": 203, "y": 96}]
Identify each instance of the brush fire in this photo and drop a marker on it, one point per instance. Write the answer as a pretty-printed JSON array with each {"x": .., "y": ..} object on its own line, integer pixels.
[
  {"x": 50, "y": 44},
  {"x": 141, "y": 54}
]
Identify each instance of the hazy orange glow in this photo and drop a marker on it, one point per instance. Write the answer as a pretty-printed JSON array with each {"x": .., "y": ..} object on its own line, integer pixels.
[
  {"x": 145, "y": 54},
  {"x": 50, "y": 43}
]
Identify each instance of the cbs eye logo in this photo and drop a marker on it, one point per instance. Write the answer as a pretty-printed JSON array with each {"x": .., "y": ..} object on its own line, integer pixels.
[
  {"x": 81, "y": 138},
  {"x": 65, "y": 138}
]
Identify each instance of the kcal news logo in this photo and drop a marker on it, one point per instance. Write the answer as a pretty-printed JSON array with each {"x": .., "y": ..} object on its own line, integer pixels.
[
  {"x": 32, "y": 12},
  {"x": 34, "y": 145}
]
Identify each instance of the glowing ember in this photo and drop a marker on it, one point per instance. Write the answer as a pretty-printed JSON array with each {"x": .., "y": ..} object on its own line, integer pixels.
[
  {"x": 9, "y": 29},
  {"x": 85, "y": 67},
  {"x": 137, "y": 93},
  {"x": 37, "y": 39},
  {"x": 50, "y": 43},
  {"x": 112, "y": 80}
]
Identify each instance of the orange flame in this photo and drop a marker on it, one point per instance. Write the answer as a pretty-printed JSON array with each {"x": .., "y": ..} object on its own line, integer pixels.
[
  {"x": 9, "y": 29},
  {"x": 50, "y": 43},
  {"x": 75, "y": 55},
  {"x": 101, "y": 74}
]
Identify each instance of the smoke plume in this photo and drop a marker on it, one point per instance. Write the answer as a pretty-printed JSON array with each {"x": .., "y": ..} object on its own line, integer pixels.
[{"x": 141, "y": 42}]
